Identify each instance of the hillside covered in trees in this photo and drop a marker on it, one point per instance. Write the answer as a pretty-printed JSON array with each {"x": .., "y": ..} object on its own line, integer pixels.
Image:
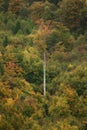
[{"x": 28, "y": 30}]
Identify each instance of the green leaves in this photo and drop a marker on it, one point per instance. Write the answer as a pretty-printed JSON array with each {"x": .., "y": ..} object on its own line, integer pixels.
[
  {"x": 70, "y": 14},
  {"x": 22, "y": 44}
]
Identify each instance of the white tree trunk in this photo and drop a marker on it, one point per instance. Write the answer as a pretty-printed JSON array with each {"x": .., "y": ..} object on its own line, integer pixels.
[{"x": 44, "y": 74}]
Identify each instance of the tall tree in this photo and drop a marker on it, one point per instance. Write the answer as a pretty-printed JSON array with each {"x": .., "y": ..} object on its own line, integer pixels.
[{"x": 40, "y": 39}]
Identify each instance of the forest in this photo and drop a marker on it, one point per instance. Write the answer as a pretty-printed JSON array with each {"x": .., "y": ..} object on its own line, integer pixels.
[{"x": 28, "y": 30}]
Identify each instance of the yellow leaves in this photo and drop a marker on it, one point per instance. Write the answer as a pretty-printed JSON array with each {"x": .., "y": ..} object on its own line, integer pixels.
[
  {"x": 71, "y": 94},
  {"x": 26, "y": 87},
  {"x": 55, "y": 129},
  {"x": 65, "y": 125},
  {"x": 10, "y": 102},
  {"x": 86, "y": 2},
  {"x": 26, "y": 84},
  {"x": 16, "y": 5},
  {"x": 0, "y": 117},
  {"x": 59, "y": 26},
  {"x": 70, "y": 66},
  {"x": 16, "y": 94},
  {"x": 70, "y": 91},
  {"x": 12, "y": 69},
  {"x": 69, "y": 11},
  {"x": 0, "y": 54},
  {"x": 41, "y": 10},
  {"x": 59, "y": 106},
  {"x": 32, "y": 93},
  {"x": 33, "y": 51},
  {"x": 26, "y": 56},
  {"x": 36, "y": 10},
  {"x": 1, "y": 84},
  {"x": 84, "y": 122},
  {"x": 6, "y": 91},
  {"x": 36, "y": 5},
  {"x": 41, "y": 34},
  {"x": 79, "y": 72},
  {"x": 9, "y": 54},
  {"x": 31, "y": 55}
]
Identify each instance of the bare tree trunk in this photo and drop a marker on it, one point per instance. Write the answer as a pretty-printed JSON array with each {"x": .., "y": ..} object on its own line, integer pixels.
[{"x": 44, "y": 74}]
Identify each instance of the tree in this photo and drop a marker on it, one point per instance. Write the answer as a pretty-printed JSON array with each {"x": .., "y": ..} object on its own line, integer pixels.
[
  {"x": 41, "y": 9},
  {"x": 70, "y": 13},
  {"x": 32, "y": 65},
  {"x": 40, "y": 39},
  {"x": 16, "y": 6}
]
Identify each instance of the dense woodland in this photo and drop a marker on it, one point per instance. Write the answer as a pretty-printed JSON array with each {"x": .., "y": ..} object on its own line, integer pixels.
[{"x": 28, "y": 28}]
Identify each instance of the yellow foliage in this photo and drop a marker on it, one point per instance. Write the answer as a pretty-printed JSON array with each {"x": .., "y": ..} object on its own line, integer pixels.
[
  {"x": 0, "y": 54},
  {"x": 70, "y": 66},
  {"x": 64, "y": 125},
  {"x": 10, "y": 102},
  {"x": 0, "y": 117},
  {"x": 70, "y": 91},
  {"x": 41, "y": 34}
]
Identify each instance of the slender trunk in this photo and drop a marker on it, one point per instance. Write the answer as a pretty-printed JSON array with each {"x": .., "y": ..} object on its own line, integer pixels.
[{"x": 44, "y": 74}]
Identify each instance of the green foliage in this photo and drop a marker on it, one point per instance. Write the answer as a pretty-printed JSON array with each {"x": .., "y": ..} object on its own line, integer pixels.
[
  {"x": 59, "y": 29},
  {"x": 60, "y": 36},
  {"x": 4, "y": 5},
  {"x": 19, "y": 26},
  {"x": 42, "y": 10},
  {"x": 72, "y": 13},
  {"x": 32, "y": 65}
]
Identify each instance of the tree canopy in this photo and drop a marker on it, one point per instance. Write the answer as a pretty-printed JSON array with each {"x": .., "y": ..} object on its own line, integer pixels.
[{"x": 29, "y": 28}]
